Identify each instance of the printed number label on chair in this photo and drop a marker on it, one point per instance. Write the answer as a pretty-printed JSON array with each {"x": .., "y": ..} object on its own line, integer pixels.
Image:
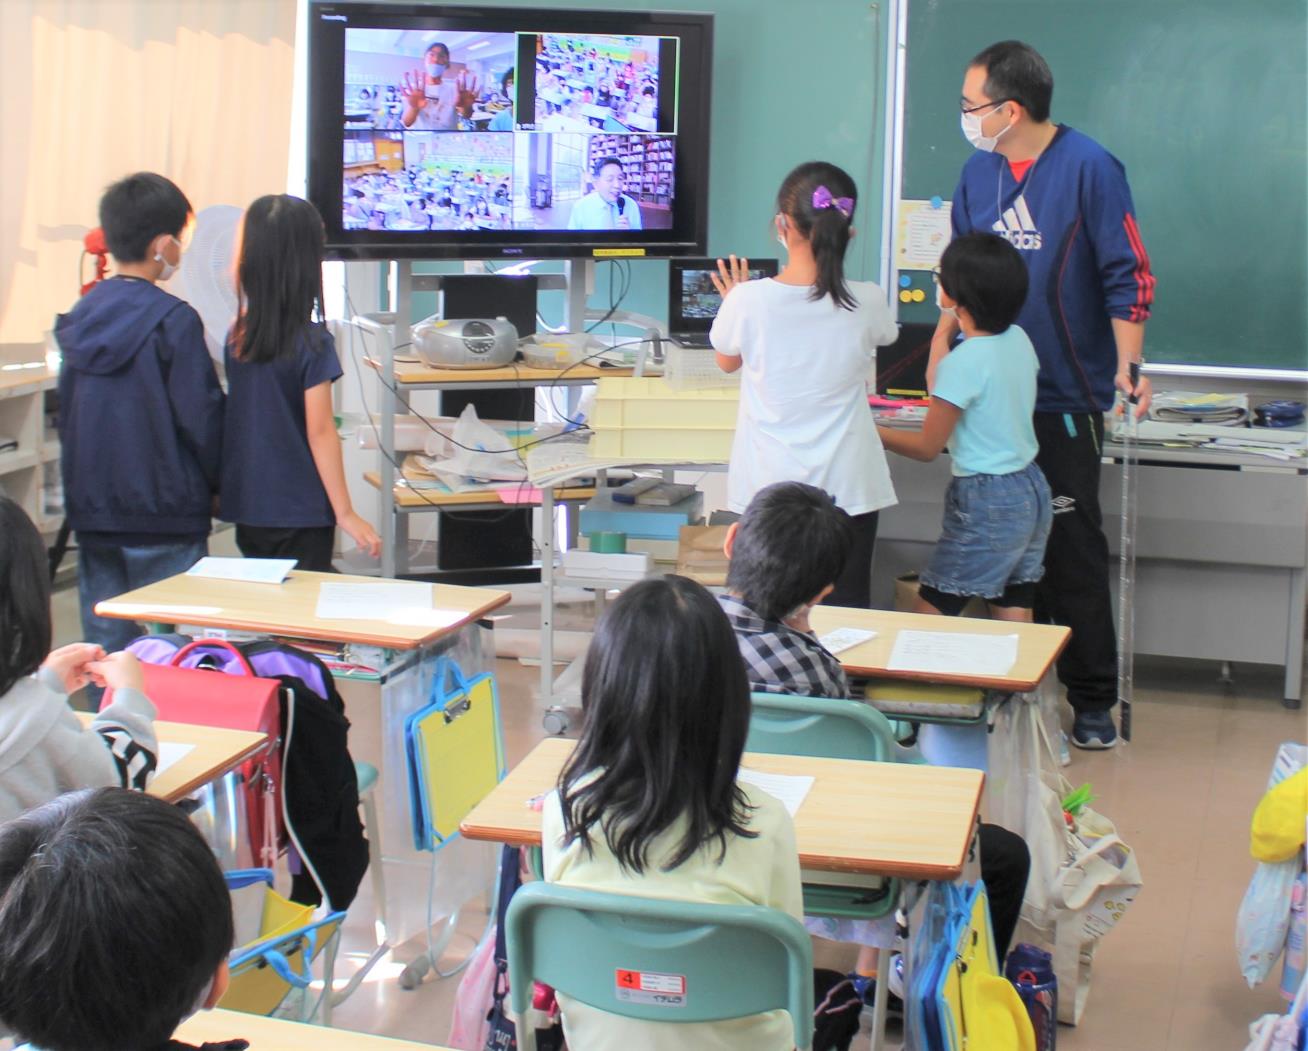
[{"x": 650, "y": 987}]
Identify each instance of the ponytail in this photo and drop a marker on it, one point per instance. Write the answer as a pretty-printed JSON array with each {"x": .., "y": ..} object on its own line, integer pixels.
[{"x": 819, "y": 199}]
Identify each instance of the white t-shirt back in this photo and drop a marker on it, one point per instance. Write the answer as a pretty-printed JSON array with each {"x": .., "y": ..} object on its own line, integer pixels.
[{"x": 804, "y": 415}]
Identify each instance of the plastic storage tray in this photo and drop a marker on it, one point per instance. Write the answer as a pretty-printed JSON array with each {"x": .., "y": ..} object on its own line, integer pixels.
[
  {"x": 695, "y": 368},
  {"x": 644, "y": 419}
]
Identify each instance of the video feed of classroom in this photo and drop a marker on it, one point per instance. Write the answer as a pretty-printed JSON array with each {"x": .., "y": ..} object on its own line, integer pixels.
[
  {"x": 594, "y": 182},
  {"x": 587, "y": 84},
  {"x": 429, "y": 181},
  {"x": 699, "y": 299},
  {"x": 411, "y": 80}
]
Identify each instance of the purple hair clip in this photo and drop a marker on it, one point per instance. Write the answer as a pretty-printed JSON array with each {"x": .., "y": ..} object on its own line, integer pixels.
[{"x": 822, "y": 199}]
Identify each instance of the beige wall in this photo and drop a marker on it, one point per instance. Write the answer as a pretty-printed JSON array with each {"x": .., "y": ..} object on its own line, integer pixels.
[{"x": 91, "y": 90}]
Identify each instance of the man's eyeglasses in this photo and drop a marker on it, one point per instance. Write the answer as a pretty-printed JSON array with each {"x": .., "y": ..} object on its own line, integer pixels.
[{"x": 964, "y": 108}]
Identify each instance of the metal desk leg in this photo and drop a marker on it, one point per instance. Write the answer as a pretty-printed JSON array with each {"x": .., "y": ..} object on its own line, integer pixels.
[
  {"x": 1294, "y": 643},
  {"x": 553, "y": 721},
  {"x": 400, "y": 535}
]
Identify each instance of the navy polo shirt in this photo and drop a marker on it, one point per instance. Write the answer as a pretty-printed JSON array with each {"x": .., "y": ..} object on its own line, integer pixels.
[{"x": 268, "y": 474}]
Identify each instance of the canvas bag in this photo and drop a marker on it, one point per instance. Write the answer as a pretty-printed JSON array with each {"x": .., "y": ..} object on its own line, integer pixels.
[{"x": 1082, "y": 880}]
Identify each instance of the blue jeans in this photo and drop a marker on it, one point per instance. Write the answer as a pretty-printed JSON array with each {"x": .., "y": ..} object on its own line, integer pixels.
[
  {"x": 993, "y": 535},
  {"x": 107, "y": 572}
]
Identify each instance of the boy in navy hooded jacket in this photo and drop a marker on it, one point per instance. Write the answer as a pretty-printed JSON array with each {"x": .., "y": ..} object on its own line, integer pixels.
[{"x": 140, "y": 410}]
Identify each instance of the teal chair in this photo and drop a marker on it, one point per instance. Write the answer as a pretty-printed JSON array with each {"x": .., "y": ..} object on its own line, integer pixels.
[
  {"x": 828, "y": 728},
  {"x": 737, "y": 960},
  {"x": 825, "y": 727}
]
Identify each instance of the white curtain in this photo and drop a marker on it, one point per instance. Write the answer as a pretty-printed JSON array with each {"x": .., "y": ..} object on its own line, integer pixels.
[{"x": 198, "y": 90}]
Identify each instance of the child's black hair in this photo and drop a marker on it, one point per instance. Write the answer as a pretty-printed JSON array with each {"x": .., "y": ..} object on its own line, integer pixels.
[
  {"x": 114, "y": 919},
  {"x": 137, "y": 209},
  {"x": 280, "y": 276},
  {"x": 25, "y": 629},
  {"x": 825, "y": 229},
  {"x": 985, "y": 274},
  {"x": 791, "y": 542},
  {"x": 666, "y": 706}
]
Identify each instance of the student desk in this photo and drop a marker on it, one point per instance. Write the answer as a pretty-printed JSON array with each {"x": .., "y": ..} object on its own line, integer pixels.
[
  {"x": 913, "y": 822},
  {"x": 406, "y": 655},
  {"x": 215, "y": 753},
  {"x": 279, "y": 1034},
  {"x": 1038, "y": 646}
]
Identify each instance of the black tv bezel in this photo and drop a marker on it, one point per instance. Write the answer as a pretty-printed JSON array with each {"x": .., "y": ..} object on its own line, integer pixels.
[{"x": 325, "y": 135}]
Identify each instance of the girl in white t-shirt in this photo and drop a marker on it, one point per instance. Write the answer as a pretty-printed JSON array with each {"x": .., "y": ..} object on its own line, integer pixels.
[
  {"x": 649, "y": 804},
  {"x": 807, "y": 341}
]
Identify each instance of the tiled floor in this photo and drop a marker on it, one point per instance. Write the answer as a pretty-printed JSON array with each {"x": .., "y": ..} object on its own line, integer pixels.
[{"x": 1166, "y": 978}]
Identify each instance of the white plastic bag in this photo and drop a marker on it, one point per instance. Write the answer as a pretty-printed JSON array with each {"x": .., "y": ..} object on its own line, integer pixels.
[
  {"x": 1082, "y": 879},
  {"x": 1264, "y": 916},
  {"x": 480, "y": 454}
]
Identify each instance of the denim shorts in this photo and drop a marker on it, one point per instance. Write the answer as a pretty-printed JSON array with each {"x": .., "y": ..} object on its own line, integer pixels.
[{"x": 993, "y": 535}]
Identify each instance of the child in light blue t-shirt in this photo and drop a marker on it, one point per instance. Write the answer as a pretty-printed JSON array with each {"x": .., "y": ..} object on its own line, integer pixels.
[{"x": 998, "y": 507}]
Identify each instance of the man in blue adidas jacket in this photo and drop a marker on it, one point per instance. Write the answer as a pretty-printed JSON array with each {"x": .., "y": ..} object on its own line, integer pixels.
[{"x": 1063, "y": 201}]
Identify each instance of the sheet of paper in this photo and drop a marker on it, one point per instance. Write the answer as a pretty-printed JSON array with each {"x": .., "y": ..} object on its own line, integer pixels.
[
  {"x": 252, "y": 570},
  {"x": 788, "y": 788},
  {"x": 380, "y": 601},
  {"x": 171, "y": 752},
  {"x": 922, "y": 232},
  {"x": 845, "y": 638},
  {"x": 953, "y": 653}
]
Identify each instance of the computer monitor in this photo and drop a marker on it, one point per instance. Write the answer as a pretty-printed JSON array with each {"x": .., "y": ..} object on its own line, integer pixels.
[
  {"x": 491, "y": 132},
  {"x": 693, "y": 302}
]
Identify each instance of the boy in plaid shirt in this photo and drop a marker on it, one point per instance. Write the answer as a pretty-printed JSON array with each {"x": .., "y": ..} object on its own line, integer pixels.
[{"x": 786, "y": 552}]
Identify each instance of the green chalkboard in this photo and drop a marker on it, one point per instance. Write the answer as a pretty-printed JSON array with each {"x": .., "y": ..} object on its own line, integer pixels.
[{"x": 1205, "y": 102}]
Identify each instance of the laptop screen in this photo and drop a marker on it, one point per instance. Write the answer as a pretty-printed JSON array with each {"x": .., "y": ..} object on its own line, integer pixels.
[{"x": 693, "y": 302}]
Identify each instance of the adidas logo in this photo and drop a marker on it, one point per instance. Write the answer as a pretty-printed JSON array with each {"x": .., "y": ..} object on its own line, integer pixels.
[{"x": 1018, "y": 228}]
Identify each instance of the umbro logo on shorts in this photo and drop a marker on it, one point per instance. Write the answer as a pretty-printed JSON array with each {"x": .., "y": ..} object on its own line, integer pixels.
[{"x": 1063, "y": 504}]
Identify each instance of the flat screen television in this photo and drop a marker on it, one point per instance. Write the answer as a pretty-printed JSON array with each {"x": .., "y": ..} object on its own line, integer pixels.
[{"x": 462, "y": 132}]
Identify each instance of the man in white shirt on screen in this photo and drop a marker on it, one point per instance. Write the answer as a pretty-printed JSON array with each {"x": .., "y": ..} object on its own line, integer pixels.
[
  {"x": 433, "y": 101},
  {"x": 606, "y": 207}
]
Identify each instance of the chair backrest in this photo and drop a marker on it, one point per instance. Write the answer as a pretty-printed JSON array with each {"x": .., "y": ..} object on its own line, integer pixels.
[
  {"x": 660, "y": 960},
  {"x": 831, "y": 728}
]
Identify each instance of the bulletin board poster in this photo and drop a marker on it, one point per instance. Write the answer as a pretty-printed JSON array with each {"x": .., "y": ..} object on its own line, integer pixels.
[{"x": 921, "y": 233}]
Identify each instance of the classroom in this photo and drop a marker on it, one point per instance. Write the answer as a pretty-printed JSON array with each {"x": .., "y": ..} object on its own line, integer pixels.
[{"x": 729, "y": 525}]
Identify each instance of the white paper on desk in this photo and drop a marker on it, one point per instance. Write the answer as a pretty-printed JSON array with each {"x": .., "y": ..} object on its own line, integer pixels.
[
  {"x": 845, "y": 639},
  {"x": 380, "y": 601},
  {"x": 251, "y": 570},
  {"x": 953, "y": 653},
  {"x": 171, "y": 752},
  {"x": 789, "y": 789}
]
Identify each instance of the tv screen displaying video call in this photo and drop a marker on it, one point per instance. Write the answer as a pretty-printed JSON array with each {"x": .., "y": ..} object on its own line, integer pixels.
[{"x": 465, "y": 129}]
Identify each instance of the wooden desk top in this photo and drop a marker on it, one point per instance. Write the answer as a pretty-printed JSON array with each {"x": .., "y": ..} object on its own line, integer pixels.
[
  {"x": 217, "y": 752},
  {"x": 405, "y": 496},
  {"x": 18, "y": 380},
  {"x": 289, "y": 609},
  {"x": 279, "y": 1034},
  {"x": 873, "y": 819},
  {"x": 1038, "y": 645},
  {"x": 406, "y": 374}
]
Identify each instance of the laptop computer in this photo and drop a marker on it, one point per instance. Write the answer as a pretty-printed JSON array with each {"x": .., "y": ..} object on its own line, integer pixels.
[
  {"x": 901, "y": 367},
  {"x": 693, "y": 302}
]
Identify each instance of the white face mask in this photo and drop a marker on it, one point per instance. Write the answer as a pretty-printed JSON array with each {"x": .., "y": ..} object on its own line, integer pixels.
[
  {"x": 971, "y": 123},
  {"x": 781, "y": 238},
  {"x": 435, "y": 69},
  {"x": 951, "y": 311},
  {"x": 169, "y": 268}
]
